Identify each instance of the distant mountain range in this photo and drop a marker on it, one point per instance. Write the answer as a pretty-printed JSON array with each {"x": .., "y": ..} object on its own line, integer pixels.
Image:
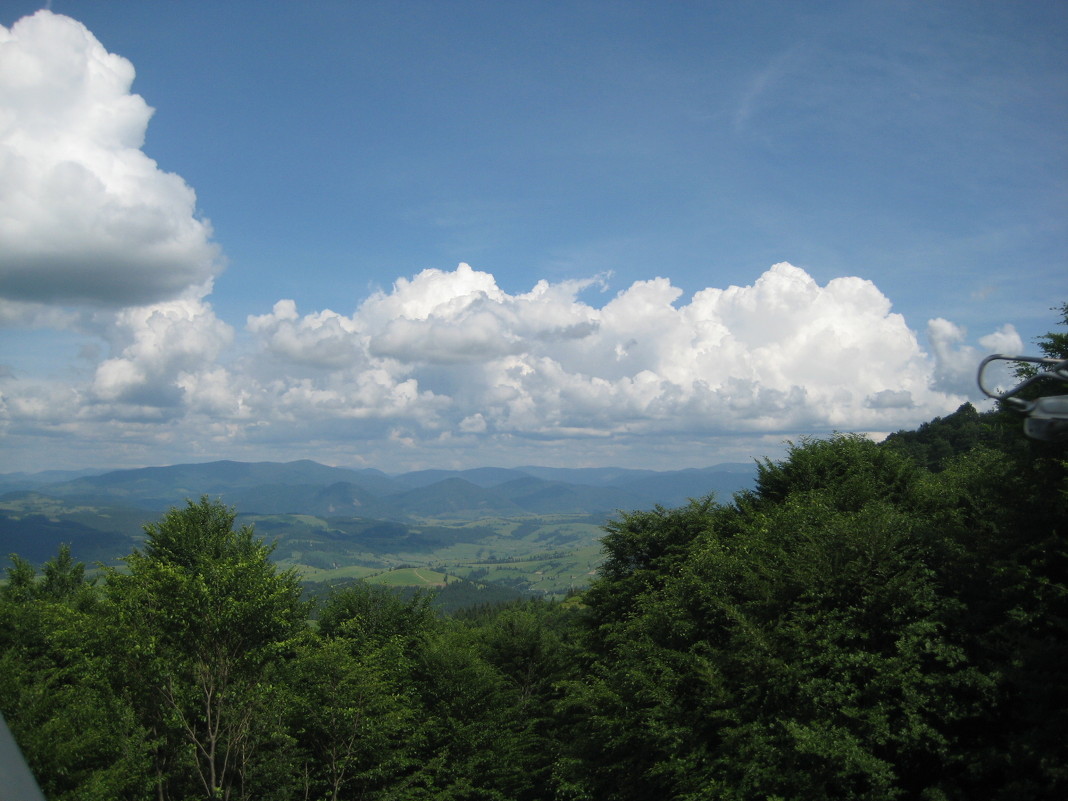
[{"x": 307, "y": 487}]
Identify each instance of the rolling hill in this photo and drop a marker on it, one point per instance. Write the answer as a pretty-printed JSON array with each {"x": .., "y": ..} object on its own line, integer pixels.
[{"x": 529, "y": 522}]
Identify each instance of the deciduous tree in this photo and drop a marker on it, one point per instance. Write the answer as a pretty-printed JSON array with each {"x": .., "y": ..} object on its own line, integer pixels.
[{"x": 204, "y": 614}]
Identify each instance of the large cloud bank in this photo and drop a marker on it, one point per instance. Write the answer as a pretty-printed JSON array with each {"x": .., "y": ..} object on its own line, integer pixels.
[
  {"x": 446, "y": 367},
  {"x": 85, "y": 215},
  {"x": 452, "y": 353}
]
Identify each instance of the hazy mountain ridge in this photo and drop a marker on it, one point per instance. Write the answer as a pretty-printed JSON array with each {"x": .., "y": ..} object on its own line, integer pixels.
[
  {"x": 307, "y": 487},
  {"x": 328, "y": 516}
]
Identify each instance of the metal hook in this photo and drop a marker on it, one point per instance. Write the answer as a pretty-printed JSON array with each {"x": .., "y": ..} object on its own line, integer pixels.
[{"x": 1047, "y": 418}]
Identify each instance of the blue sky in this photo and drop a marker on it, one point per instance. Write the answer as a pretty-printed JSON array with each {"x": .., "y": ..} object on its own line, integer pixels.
[{"x": 904, "y": 162}]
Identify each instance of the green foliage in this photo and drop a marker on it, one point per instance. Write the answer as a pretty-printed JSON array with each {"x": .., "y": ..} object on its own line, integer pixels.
[
  {"x": 858, "y": 627},
  {"x": 354, "y": 724},
  {"x": 459, "y": 595},
  {"x": 62, "y": 576},
  {"x": 1054, "y": 344},
  {"x": 80, "y": 737},
  {"x": 934, "y": 443},
  {"x": 374, "y": 614},
  {"x": 202, "y": 616},
  {"x": 850, "y": 468},
  {"x": 21, "y": 580}
]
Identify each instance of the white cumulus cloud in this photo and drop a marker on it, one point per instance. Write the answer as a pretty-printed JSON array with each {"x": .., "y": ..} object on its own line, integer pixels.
[
  {"x": 446, "y": 363},
  {"x": 159, "y": 350},
  {"x": 85, "y": 216},
  {"x": 323, "y": 339},
  {"x": 956, "y": 361},
  {"x": 782, "y": 354}
]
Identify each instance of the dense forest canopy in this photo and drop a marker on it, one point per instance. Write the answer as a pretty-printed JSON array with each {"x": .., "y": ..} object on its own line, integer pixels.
[{"x": 872, "y": 621}]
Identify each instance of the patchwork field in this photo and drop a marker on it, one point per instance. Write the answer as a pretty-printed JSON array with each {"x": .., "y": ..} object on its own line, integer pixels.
[
  {"x": 531, "y": 530},
  {"x": 542, "y": 556},
  {"x": 547, "y": 555}
]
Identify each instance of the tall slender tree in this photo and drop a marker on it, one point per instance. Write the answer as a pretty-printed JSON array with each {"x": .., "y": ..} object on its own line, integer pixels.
[{"x": 204, "y": 613}]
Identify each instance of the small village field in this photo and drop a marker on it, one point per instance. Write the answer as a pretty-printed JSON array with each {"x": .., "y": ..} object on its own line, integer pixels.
[{"x": 408, "y": 577}]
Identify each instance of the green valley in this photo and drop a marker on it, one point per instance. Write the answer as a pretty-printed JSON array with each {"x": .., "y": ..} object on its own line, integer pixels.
[{"x": 534, "y": 531}]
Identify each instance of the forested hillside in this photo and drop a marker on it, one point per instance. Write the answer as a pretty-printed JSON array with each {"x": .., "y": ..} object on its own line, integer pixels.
[{"x": 870, "y": 622}]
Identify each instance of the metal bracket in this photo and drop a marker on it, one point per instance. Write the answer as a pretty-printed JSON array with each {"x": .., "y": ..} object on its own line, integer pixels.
[{"x": 1047, "y": 418}]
